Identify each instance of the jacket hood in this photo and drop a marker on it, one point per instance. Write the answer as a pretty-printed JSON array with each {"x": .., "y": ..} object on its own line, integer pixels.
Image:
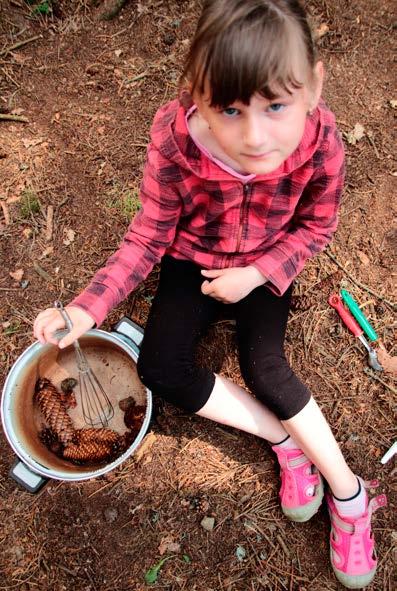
[{"x": 170, "y": 136}]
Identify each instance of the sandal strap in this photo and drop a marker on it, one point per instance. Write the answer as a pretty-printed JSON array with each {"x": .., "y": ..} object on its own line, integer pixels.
[
  {"x": 362, "y": 523},
  {"x": 300, "y": 460}
]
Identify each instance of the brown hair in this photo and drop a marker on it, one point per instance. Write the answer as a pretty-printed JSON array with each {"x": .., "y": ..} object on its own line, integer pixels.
[{"x": 246, "y": 46}]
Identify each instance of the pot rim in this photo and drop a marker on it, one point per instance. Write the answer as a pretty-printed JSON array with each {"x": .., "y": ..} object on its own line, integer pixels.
[{"x": 131, "y": 349}]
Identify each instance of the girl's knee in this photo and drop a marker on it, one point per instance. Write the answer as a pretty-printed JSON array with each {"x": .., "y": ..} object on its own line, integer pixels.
[
  {"x": 275, "y": 384},
  {"x": 184, "y": 385}
]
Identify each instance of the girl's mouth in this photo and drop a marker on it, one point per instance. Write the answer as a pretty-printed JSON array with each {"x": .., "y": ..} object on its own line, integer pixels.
[{"x": 261, "y": 156}]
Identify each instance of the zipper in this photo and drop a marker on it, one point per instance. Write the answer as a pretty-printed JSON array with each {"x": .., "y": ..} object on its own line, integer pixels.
[{"x": 243, "y": 208}]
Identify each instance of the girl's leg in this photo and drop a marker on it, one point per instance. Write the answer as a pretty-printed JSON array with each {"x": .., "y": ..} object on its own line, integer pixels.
[
  {"x": 231, "y": 405},
  {"x": 261, "y": 325},
  {"x": 260, "y": 322},
  {"x": 312, "y": 433},
  {"x": 179, "y": 315}
]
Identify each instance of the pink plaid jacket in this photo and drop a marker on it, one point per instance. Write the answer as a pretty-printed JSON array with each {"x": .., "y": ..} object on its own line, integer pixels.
[{"x": 194, "y": 209}]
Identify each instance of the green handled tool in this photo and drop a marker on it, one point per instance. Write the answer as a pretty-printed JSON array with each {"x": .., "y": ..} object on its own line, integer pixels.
[{"x": 358, "y": 315}]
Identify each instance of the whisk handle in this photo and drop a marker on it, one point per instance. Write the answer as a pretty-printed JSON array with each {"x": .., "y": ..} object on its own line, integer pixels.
[
  {"x": 59, "y": 306},
  {"x": 69, "y": 325}
]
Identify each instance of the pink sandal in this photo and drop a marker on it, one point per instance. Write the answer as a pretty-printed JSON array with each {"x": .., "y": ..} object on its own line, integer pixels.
[
  {"x": 353, "y": 554},
  {"x": 298, "y": 475}
]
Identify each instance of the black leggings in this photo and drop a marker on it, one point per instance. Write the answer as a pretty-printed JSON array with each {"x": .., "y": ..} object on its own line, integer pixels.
[{"x": 181, "y": 314}]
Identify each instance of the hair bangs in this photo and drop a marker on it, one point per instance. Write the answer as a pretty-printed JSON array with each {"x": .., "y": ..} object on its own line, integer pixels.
[
  {"x": 265, "y": 53},
  {"x": 254, "y": 64}
]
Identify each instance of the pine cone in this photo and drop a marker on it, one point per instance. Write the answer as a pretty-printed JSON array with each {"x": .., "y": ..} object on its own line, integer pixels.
[
  {"x": 51, "y": 441},
  {"x": 133, "y": 417},
  {"x": 54, "y": 410},
  {"x": 89, "y": 452},
  {"x": 97, "y": 435}
]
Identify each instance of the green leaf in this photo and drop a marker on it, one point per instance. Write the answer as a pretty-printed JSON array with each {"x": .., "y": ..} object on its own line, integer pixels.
[
  {"x": 43, "y": 7},
  {"x": 153, "y": 572},
  {"x": 187, "y": 558}
]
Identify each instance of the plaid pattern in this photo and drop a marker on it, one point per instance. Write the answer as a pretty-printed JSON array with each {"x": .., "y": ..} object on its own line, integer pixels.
[{"x": 193, "y": 209}]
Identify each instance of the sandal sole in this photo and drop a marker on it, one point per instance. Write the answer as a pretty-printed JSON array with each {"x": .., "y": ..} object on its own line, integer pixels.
[{"x": 302, "y": 514}]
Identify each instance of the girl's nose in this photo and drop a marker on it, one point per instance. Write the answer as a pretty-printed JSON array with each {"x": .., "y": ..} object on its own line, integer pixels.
[{"x": 254, "y": 134}]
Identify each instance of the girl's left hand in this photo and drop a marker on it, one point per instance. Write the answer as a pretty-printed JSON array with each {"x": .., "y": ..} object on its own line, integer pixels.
[{"x": 232, "y": 284}]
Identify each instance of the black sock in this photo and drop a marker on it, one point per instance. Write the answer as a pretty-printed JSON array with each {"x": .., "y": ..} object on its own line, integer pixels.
[{"x": 282, "y": 441}]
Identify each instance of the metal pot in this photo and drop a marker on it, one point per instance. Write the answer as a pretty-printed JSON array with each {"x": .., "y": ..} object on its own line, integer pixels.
[{"x": 116, "y": 354}]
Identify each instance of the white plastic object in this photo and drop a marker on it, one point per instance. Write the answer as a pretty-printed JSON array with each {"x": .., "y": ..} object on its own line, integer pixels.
[{"x": 390, "y": 453}]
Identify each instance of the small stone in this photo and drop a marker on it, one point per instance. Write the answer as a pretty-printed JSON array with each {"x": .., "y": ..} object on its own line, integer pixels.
[
  {"x": 111, "y": 514},
  {"x": 169, "y": 38},
  {"x": 241, "y": 553},
  {"x": 208, "y": 523},
  {"x": 18, "y": 553}
]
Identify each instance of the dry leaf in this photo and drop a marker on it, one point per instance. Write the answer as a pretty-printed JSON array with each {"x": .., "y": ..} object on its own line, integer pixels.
[
  {"x": 118, "y": 52},
  {"x": 17, "y": 274},
  {"x": 14, "y": 199},
  {"x": 356, "y": 134},
  {"x": 145, "y": 446},
  {"x": 46, "y": 252},
  {"x": 28, "y": 143},
  {"x": 321, "y": 31},
  {"x": 208, "y": 523},
  {"x": 363, "y": 257},
  {"x": 393, "y": 104},
  {"x": 167, "y": 545},
  {"x": 27, "y": 232},
  {"x": 70, "y": 234}
]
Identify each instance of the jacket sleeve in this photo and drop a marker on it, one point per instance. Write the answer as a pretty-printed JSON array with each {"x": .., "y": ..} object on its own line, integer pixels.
[
  {"x": 314, "y": 221},
  {"x": 148, "y": 236}
]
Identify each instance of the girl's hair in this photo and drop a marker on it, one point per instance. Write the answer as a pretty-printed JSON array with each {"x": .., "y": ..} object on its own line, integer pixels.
[{"x": 242, "y": 47}]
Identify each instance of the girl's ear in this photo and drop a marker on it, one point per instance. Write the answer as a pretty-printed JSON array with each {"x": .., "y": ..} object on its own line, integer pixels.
[{"x": 317, "y": 85}]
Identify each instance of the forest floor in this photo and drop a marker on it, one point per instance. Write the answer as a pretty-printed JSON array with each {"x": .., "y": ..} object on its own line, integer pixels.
[{"x": 89, "y": 91}]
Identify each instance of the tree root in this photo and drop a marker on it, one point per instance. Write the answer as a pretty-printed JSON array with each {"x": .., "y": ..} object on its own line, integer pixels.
[{"x": 108, "y": 9}]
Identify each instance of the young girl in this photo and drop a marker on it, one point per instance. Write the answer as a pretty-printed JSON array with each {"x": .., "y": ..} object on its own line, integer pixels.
[{"x": 241, "y": 186}]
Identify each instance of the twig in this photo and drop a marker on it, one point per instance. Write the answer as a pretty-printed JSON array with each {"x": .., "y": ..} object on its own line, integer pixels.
[
  {"x": 50, "y": 222},
  {"x": 371, "y": 141},
  {"x": 283, "y": 545},
  {"x": 10, "y": 288},
  {"x": 6, "y": 213},
  {"x": 138, "y": 77},
  {"x": 359, "y": 283},
  {"x": 8, "y": 117},
  {"x": 42, "y": 273},
  {"x": 19, "y": 44},
  {"x": 378, "y": 379}
]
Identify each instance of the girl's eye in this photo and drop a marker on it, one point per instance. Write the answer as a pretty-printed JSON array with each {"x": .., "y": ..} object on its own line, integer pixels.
[
  {"x": 230, "y": 111},
  {"x": 276, "y": 108}
]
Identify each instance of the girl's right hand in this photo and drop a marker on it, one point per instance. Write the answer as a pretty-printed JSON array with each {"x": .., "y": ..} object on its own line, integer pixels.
[{"x": 50, "y": 320}]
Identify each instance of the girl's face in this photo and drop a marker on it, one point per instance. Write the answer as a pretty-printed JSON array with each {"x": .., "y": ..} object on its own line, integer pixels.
[{"x": 260, "y": 136}]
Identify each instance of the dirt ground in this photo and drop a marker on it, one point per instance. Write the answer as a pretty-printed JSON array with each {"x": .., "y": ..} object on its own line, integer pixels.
[{"x": 88, "y": 91}]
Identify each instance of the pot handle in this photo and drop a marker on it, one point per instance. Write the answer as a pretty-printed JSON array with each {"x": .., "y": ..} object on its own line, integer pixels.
[
  {"x": 128, "y": 328},
  {"x": 30, "y": 480}
]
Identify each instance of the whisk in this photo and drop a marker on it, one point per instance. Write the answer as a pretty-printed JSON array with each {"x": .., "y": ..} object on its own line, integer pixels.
[{"x": 95, "y": 404}]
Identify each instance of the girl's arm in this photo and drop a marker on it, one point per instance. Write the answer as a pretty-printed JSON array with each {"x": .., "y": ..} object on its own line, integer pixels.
[
  {"x": 313, "y": 225},
  {"x": 148, "y": 236}
]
